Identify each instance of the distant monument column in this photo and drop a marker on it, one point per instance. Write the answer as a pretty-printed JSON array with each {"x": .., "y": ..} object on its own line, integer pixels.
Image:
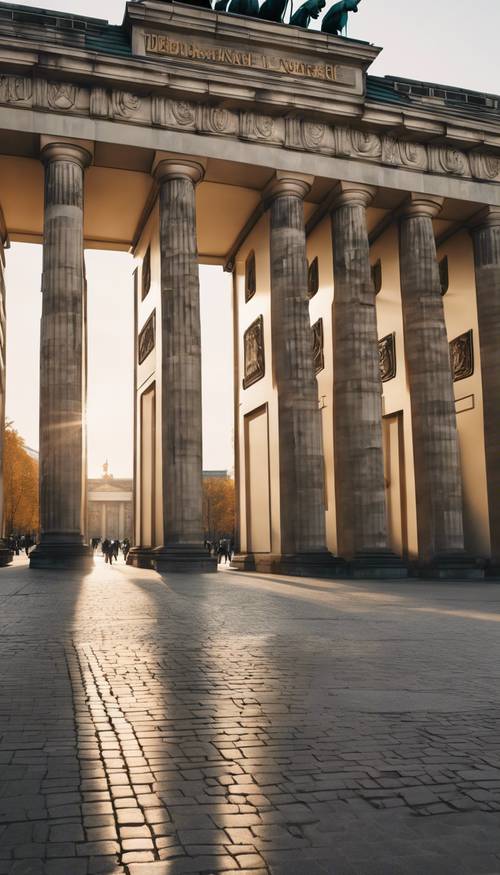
[
  {"x": 62, "y": 358},
  {"x": 302, "y": 484},
  {"x": 486, "y": 237},
  {"x": 362, "y": 527},
  {"x": 438, "y": 479},
  {"x": 181, "y": 416}
]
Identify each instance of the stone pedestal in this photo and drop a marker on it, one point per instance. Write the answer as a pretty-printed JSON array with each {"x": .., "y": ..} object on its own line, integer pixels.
[
  {"x": 486, "y": 238},
  {"x": 362, "y": 528},
  {"x": 181, "y": 416},
  {"x": 435, "y": 439},
  {"x": 302, "y": 486},
  {"x": 62, "y": 368}
]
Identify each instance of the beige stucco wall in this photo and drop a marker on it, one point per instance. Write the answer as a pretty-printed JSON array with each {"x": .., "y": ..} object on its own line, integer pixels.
[
  {"x": 461, "y": 315},
  {"x": 263, "y": 391},
  {"x": 150, "y": 370},
  {"x": 396, "y": 396}
]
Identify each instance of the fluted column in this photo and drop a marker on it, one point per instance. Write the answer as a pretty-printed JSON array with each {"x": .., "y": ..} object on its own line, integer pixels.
[
  {"x": 362, "y": 527},
  {"x": 438, "y": 480},
  {"x": 181, "y": 414},
  {"x": 302, "y": 507},
  {"x": 486, "y": 238},
  {"x": 62, "y": 361}
]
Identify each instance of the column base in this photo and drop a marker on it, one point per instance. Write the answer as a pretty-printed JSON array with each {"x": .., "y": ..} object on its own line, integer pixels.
[
  {"x": 62, "y": 556},
  {"x": 140, "y": 557},
  {"x": 182, "y": 560},
  {"x": 492, "y": 570},
  {"x": 452, "y": 566},
  {"x": 6, "y": 554},
  {"x": 377, "y": 565},
  {"x": 322, "y": 564}
]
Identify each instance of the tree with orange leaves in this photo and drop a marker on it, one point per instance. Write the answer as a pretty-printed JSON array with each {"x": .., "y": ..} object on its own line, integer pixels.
[
  {"x": 21, "y": 507},
  {"x": 218, "y": 507}
]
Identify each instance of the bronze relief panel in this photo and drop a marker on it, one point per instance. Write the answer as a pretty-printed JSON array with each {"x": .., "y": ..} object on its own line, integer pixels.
[
  {"x": 318, "y": 346},
  {"x": 147, "y": 338},
  {"x": 462, "y": 356},
  {"x": 253, "y": 345},
  {"x": 313, "y": 278},
  {"x": 250, "y": 277},
  {"x": 387, "y": 357}
]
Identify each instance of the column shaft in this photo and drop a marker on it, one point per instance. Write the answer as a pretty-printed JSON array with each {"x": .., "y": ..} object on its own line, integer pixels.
[
  {"x": 486, "y": 237},
  {"x": 359, "y": 460},
  {"x": 181, "y": 417},
  {"x": 302, "y": 487},
  {"x": 435, "y": 438},
  {"x": 62, "y": 358}
]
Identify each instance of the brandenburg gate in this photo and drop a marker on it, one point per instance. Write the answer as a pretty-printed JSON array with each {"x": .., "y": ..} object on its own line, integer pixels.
[{"x": 359, "y": 217}]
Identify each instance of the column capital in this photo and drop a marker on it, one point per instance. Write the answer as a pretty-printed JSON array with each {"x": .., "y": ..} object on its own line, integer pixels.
[
  {"x": 488, "y": 217},
  {"x": 286, "y": 183},
  {"x": 168, "y": 166},
  {"x": 354, "y": 194},
  {"x": 421, "y": 205},
  {"x": 63, "y": 149}
]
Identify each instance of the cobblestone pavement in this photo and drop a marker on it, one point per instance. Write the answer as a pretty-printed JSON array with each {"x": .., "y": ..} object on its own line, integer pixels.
[{"x": 245, "y": 724}]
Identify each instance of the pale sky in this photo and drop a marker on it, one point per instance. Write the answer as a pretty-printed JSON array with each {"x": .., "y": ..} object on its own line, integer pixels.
[{"x": 453, "y": 42}]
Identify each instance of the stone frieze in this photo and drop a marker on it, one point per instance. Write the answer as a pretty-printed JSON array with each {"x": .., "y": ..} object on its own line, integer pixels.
[{"x": 290, "y": 132}]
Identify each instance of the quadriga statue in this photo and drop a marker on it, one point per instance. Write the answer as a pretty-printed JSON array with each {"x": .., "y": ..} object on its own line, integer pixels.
[
  {"x": 273, "y": 10},
  {"x": 309, "y": 9},
  {"x": 336, "y": 18}
]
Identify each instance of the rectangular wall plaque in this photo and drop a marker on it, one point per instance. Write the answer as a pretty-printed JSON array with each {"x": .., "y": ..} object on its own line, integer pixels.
[
  {"x": 462, "y": 356},
  {"x": 253, "y": 345},
  {"x": 147, "y": 338},
  {"x": 387, "y": 357}
]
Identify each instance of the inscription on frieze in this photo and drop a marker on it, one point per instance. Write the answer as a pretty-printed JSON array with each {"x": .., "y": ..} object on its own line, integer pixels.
[
  {"x": 387, "y": 357},
  {"x": 162, "y": 44},
  {"x": 147, "y": 338},
  {"x": 253, "y": 345},
  {"x": 462, "y": 356}
]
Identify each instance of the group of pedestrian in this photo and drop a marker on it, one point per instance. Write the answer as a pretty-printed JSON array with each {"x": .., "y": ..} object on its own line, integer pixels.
[
  {"x": 111, "y": 548},
  {"x": 222, "y": 548},
  {"x": 21, "y": 544}
]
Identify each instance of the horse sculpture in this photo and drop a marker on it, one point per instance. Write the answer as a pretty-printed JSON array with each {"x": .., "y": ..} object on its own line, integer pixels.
[
  {"x": 336, "y": 18},
  {"x": 273, "y": 10},
  {"x": 245, "y": 7},
  {"x": 309, "y": 9}
]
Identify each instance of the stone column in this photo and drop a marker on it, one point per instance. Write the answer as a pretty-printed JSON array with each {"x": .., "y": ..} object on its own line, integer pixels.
[
  {"x": 486, "y": 238},
  {"x": 362, "y": 528},
  {"x": 6, "y": 555},
  {"x": 302, "y": 487},
  {"x": 181, "y": 422},
  {"x": 62, "y": 358},
  {"x": 435, "y": 438}
]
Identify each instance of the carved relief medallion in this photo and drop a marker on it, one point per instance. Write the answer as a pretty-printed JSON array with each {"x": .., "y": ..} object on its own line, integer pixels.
[
  {"x": 147, "y": 338},
  {"x": 387, "y": 357},
  {"x": 61, "y": 95},
  {"x": 318, "y": 353},
  {"x": 462, "y": 356},
  {"x": 124, "y": 104},
  {"x": 253, "y": 344}
]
